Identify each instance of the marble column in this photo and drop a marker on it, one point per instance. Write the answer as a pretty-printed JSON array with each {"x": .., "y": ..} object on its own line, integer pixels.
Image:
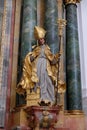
[
  {"x": 73, "y": 77},
  {"x": 29, "y": 18},
  {"x": 29, "y": 21},
  {"x": 51, "y": 26}
]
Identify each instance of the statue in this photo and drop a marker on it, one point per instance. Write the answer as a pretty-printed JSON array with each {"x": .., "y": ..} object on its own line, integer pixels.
[{"x": 40, "y": 70}]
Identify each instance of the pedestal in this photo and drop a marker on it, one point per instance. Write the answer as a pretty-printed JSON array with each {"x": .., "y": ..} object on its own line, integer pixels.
[
  {"x": 42, "y": 117},
  {"x": 47, "y": 118}
]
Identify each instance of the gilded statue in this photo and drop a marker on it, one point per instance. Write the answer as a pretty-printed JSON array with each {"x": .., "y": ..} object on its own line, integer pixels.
[{"x": 40, "y": 70}]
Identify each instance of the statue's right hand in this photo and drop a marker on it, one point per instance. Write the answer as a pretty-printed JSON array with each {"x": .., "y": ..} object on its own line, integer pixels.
[
  {"x": 53, "y": 62},
  {"x": 32, "y": 58},
  {"x": 37, "y": 52}
]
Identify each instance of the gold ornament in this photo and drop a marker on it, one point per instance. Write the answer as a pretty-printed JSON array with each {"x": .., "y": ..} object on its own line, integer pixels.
[
  {"x": 61, "y": 86},
  {"x": 71, "y": 1}
]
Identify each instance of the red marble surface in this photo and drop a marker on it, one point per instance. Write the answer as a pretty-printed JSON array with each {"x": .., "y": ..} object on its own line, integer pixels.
[
  {"x": 86, "y": 122},
  {"x": 73, "y": 122},
  {"x": 37, "y": 117},
  {"x": 21, "y": 128},
  {"x": 68, "y": 122},
  {"x": 60, "y": 120},
  {"x": 62, "y": 129},
  {"x": 10, "y": 69},
  {"x": 26, "y": 128},
  {"x": 64, "y": 122}
]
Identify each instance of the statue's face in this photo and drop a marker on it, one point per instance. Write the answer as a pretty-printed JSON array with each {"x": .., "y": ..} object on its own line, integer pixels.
[{"x": 41, "y": 41}]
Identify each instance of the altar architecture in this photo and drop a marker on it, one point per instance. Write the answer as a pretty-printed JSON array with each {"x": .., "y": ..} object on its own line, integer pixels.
[{"x": 21, "y": 105}]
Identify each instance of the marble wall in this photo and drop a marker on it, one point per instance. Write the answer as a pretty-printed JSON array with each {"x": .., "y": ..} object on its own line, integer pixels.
[
  {"x": 1, "y": 18},
  {"x": 82, "y": 26},
  {"x": 1, "y": 15},
  {"x": 5, "y": 58}
]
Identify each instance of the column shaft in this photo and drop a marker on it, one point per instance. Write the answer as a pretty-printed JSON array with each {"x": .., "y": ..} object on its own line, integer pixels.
[
  {"x": 51, "y": 17},
  {"x": 73, "y": 78},
  {"x": 29, "y": 21}
]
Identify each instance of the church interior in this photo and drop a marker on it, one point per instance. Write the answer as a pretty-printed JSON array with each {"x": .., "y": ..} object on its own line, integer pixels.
[{"x": 61, "y": 25}]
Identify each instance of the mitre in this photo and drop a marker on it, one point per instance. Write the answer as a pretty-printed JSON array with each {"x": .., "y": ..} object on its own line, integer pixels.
[{"x": 39, "y": 32}]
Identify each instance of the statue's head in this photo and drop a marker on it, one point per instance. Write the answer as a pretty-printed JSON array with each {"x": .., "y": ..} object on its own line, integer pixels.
[{"x": 39, "y": 33}]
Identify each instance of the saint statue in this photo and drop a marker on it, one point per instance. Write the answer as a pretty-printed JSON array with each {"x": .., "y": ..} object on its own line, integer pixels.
[{"x": 40, "y": 69}]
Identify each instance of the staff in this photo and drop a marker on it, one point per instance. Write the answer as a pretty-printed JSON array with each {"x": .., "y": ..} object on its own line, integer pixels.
[{"x": 61, "y": 23}]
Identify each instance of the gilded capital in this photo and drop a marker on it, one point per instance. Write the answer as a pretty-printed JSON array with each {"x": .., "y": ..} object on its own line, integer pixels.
[{"x": 71, "y": 1}]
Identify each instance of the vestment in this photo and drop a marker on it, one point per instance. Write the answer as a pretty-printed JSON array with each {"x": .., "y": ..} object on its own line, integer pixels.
[{"x": 40, "y": 73}]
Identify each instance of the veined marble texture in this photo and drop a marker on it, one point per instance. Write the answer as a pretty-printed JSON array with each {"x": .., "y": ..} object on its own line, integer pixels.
[
  {"x": 29, "y": 21},
  {"x": 51, "y": 25},
  {"x": 73, "y": 77}
]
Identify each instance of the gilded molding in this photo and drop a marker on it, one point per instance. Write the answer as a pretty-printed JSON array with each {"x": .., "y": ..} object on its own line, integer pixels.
[
  {"x": 33, "y": 98},
  {"x": 61, "y": 87},
  {"x": 74, "y": 112},
  {"x": 71, "y": 1}
]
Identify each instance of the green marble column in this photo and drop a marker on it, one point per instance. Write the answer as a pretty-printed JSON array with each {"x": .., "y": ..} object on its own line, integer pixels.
[
  {"x": 73, "y": 78},
  {"x": 51, "y": 26},
  {"x": 29, "y": 21}
]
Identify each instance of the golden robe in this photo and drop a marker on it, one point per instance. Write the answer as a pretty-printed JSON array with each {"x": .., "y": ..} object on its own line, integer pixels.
[{"x": 29, "y": 77}]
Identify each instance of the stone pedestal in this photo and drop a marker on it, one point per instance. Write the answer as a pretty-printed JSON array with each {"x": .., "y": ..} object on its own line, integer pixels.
[
  {"x": 47, "y": 118},
  {"x": 42, "y": 117}
]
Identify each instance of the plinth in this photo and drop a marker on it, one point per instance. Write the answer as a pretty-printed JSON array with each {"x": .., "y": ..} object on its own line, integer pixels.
[{"x": 42, "y": 117}]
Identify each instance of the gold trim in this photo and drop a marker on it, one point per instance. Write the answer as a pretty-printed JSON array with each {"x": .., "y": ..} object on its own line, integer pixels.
[
  {"x": 33, "y": 97},
  {"x": 74, "y": 112},
  {"x": 71, "y": 1}
]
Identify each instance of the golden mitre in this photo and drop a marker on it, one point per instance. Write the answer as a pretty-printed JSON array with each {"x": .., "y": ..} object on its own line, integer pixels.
[{"x": 39, "y": 32}]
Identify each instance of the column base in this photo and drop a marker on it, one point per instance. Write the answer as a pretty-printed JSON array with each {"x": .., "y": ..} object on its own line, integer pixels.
[{"x": 74, "y": 112}]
